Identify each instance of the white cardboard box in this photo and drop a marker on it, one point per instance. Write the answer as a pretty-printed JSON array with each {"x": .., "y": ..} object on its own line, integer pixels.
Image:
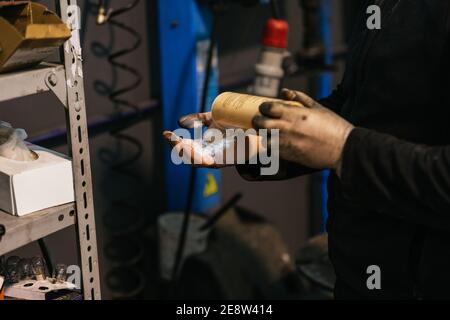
[{"x": 27, "y": 187}]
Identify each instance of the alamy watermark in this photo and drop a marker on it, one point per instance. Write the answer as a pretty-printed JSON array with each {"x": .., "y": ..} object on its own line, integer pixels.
[
  {"x": 374, "y": 20},
  {"x": 216, "y": 147},
  {"x": 374, "y": 279},
  {"x": 74, "y": 275}
]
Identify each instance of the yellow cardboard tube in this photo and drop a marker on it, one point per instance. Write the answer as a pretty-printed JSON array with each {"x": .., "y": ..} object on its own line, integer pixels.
[{"x": 235, "y": 110}]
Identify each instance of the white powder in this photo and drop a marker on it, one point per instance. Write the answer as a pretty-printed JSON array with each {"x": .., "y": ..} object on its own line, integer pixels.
[{"x": 214, "y": 149}]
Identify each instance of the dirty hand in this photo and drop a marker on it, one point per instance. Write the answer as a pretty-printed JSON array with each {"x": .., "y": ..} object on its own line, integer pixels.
[
  {"x": 310, "y": 135},
  {"x": 211, "y": 153}
]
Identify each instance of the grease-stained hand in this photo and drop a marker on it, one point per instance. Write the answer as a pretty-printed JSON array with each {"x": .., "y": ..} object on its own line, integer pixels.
[{"x": 310, "y": 134}]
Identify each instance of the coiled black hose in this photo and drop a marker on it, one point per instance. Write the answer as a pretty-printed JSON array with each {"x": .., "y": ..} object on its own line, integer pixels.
[
  {"x": 193, "y": 175},
  {"x": 125, "y": 220},
  {"x": 116, "y": 93}
]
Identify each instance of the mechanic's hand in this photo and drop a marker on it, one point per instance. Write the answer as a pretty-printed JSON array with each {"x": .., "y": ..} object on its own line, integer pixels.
[
  {"x": 188, "y": 149},
  {"x": 212, "y": 155},
  {"x": 310, "y": 135}
]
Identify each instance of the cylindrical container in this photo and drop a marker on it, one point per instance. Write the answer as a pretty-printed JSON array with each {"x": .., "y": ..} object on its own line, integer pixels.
[
  {"x": 269, "y": 70},
  {"x": 169, "y": 226},
  {"x": 269, "y": 73},
  {"x": 235, "y": 110}
]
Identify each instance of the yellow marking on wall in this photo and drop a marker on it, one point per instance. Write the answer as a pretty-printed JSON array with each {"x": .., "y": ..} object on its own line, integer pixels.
[{"x": 211, "y": 186}]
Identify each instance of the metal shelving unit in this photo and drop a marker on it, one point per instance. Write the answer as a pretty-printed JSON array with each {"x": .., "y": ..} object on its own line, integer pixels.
[
  {"x": 66, "y": 82},
  {"x": 22, "y": 231},
  {"x": 30, "y": 81}
]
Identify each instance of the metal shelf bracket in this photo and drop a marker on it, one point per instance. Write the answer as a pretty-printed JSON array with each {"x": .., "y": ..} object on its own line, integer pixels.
[{"x": 57, "y": 86}]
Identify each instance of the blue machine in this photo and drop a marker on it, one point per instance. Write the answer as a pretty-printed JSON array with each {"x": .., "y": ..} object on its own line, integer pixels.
[{"x": 184, "y": 30}]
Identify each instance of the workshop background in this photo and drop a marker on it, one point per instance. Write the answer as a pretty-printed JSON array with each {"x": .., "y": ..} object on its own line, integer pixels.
[{"x": 127, "y": 170}]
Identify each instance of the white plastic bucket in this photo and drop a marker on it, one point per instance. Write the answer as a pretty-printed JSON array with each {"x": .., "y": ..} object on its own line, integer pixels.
[{"x": 169, "y": 229}]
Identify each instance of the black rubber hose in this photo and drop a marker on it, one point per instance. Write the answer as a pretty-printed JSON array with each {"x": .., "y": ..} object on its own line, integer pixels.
[
  {"x": 47, "y": 256},
  {"x": 123, "y": 157},
  {"x": 214, "y": 219},
  {"x": 2, "y": 231},
  {"x": 193, "y": 176},
  {"x": 275, "y": 9}
]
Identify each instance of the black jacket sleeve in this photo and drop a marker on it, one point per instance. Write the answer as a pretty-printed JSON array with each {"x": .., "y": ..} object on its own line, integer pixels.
[
  {"x": 398, "y": 178},
  {"x": 288, "y": 170}
]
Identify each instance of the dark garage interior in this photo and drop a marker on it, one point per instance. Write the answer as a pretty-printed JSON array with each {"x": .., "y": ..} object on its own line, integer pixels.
[{"x": 143, "y": 65}]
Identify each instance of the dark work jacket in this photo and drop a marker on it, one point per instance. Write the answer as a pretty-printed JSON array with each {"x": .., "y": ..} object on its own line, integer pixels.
[{"x": 397, "y": 82}]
